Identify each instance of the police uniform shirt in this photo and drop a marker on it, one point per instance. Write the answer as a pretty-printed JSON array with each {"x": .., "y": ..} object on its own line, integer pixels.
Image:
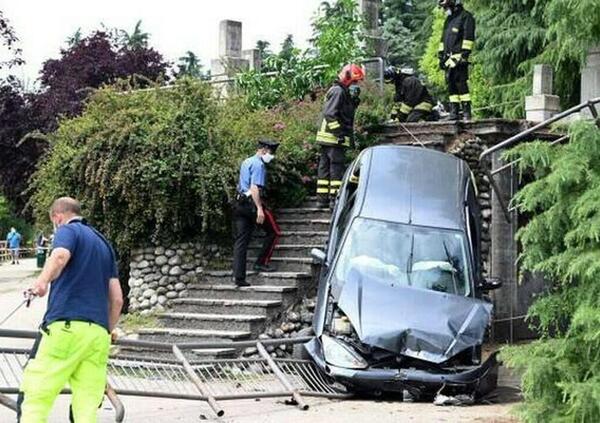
[{"x": 252, "y": 172}]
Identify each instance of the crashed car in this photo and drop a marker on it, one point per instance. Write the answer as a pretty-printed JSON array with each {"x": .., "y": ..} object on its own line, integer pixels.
[{"x": 401, "y": 300}]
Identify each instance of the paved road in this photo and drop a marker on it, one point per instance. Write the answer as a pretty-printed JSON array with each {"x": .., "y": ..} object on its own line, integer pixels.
[{"x": 15, "y": 279}]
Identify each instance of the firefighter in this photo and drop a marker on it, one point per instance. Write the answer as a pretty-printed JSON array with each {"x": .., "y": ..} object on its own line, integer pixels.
[
  {"x": 413, "y": 103},
  {"x": 337, "y": 131},
  {"x": 458, "y": 39},
  {"x": 249, "y": 211}
]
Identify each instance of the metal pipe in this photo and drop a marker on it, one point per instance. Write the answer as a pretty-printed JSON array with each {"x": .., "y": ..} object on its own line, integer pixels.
[
  {"x": 197, "y": 382},
  {"x": 116, "y": 403},
  {"x": 513, "y": 140},
  {"x": 287, "y": 385}
]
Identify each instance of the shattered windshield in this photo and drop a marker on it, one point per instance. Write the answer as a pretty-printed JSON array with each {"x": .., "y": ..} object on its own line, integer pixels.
[{"x": 404, "y": 255}]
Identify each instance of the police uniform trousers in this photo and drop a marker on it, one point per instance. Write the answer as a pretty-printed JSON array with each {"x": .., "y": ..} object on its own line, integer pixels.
[
  {"x": 332, "y": 165},
  {"x": 458, "y": 86},
  {"x": 244, "y": 222}
]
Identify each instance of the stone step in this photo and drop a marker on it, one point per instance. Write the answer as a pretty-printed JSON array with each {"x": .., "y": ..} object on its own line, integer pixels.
[
  {"x": 304, "y": 224},
  {"x": 177, "y": 335},
  {"x": 303, "y": 213},
  {"x": 292, "y": 250},
  {"x": 287, "y": 264},
  {"x": 275, "y": 278},
  {"x": 234, "y": 322},
  {"x": 267, "y": 308},
  {"x": 296, "y": 237},
  {"x": 232, "y": 292}
]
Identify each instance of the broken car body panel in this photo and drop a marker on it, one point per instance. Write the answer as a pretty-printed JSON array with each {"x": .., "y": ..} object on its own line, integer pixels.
[{"x": 418, "y": 323}]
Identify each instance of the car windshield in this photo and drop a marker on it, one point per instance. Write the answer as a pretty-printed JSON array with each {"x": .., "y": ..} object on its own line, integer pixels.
[{"x": 404, "y": 255}]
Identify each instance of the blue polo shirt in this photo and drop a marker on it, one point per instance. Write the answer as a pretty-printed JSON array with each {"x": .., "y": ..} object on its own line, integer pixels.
[
  {"x": 81, "y": 290},
  {"x": 252, "y": 172}
]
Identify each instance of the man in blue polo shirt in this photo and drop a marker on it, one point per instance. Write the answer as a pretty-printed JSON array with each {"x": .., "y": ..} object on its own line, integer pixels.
[
  {"x": 249, "y": 210},
  {"x": 83, "y": 308},
  {"x": 14, "y": 243}
]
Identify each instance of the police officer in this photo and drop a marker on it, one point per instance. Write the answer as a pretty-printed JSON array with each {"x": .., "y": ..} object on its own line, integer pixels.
[
  {"x": 337, "y": 131},
  {"x": 249, "y": 210},
  {"x": 458, "y": 39},
  {"x": 413, "y": 103},
  {"x": 84, "y": 306}
]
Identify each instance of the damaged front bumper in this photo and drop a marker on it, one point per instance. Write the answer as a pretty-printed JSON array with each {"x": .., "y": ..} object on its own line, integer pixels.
[{"x": 473, "y": 380}]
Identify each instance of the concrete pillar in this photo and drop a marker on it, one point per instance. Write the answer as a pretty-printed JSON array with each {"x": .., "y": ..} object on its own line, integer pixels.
[
  {"x": 590, "y": 78},
  {"x": 503, "y": 256},
  {"x": 542, "y": 105},
  {"x": 375, "y": 44},
  {"x": 230, "y": 61},
  {"x": 253, "y": 58},
  {"x": 230, "y": 39}
]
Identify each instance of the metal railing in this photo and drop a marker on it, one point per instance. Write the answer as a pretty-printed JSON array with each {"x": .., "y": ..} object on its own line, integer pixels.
[
  {"x": 169, "y": 373},
  {"x": 525, "y": 136}
]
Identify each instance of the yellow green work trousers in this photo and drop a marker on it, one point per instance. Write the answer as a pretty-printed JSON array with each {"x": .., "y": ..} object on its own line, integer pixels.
[{"x": 69, "y": 352}]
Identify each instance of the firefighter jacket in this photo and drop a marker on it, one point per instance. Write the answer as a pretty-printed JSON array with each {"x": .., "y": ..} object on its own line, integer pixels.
[
  {"x": 337, "y": 124},
  {"x": 411, "y": 95},
  {"x": 458, "y": 37}
]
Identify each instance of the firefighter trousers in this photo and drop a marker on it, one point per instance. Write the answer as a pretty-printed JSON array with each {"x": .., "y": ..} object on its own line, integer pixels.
[
  {"x": 458, "y": 83},
  {"x": 332, "y": 165},
  {"x": 244, "y": 222}
]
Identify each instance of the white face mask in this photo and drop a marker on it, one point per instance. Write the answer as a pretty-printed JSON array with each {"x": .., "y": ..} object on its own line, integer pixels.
[
  {"x": 267, "y": 158},
  {"x": 448, "y": 12}
]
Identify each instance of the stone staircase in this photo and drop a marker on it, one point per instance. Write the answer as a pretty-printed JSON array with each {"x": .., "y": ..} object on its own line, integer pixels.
[{"x": 216, "y": 310}]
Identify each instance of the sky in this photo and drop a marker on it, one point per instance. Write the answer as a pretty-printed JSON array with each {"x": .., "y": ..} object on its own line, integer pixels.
[{"x": 175, "y": 26}]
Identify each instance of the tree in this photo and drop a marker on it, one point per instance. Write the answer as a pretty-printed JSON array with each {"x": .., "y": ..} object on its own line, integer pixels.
[
  {"x": 137, "y": 39},
  {"x": 288, "y": 48},
  {"x": 75, "y": 38},
  {"x": 189, "y": 65},
  {"x": 9, "y": 42},
  {"x": 561, "y": 371},
  {"x": 406, "y": 27},
  {"x": 263, "y": 49}
]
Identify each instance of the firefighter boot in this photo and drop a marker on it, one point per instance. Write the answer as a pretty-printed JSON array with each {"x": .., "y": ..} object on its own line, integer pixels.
[
  {"x": 466, "y": 107},
  {"x": 454, "y": 111}
]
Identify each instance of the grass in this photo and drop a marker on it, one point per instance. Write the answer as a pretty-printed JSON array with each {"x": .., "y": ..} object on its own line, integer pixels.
[{"x": 132, "y": 322}]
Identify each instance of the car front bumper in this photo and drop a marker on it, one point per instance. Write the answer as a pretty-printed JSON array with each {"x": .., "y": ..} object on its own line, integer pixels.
[{"x": 474, "y": 380}]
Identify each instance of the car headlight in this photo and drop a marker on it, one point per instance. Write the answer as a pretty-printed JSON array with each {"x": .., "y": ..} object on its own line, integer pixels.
[{"x": 339, "y": 354}]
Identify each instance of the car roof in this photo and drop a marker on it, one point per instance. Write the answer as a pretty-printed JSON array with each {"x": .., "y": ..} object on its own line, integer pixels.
[{"x": 414, "y": 185}]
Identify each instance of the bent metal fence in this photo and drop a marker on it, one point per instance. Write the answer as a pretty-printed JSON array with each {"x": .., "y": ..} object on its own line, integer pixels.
[{"x": 168, "y": 373}]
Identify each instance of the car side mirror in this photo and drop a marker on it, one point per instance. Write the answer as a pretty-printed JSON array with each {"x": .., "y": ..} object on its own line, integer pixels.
[
  {"x": 318, "y": 255},
  {"x": 489, "y": 284}
]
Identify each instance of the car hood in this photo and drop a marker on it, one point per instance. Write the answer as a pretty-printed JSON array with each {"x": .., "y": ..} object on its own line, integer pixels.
[{"x": 423, "y": 324}]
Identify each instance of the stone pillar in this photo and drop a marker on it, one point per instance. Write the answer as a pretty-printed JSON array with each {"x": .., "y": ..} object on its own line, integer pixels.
[
  {"x": 230, "y": 61},
  {"x": 542, "y": 105},
  {"x": 503, "y": 256},
  {"x": 253, "y": 58},
  {"x": 374, "y": 41},
  {"x": 590, "y": 78}
]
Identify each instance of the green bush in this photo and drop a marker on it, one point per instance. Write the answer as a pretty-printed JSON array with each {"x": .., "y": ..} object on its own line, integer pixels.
[{"x": 561, "y": 371}]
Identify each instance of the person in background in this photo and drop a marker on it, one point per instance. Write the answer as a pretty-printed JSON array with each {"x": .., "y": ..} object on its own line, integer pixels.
[
  {"x": 84, "y": 306},
  {"x": 250, "y": 211},
  {"x": 13, "y": 240}
]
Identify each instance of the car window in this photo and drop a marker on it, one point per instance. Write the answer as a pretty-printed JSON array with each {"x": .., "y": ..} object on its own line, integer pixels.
[{"x": 404, "y": 255}]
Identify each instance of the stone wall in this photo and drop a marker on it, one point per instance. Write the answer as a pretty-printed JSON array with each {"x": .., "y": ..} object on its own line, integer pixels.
[{"x": 158, "y": 274}]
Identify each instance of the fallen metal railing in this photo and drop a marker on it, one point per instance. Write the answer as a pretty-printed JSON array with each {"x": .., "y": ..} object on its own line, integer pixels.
[
  {"x": 168, "y": 373},
  {"x": 525, "y": 136}
]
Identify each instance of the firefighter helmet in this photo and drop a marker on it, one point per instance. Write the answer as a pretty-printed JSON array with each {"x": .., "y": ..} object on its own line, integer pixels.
[
  {"x": 389, "y": 73},
  {"x": 351, "y": 73}
]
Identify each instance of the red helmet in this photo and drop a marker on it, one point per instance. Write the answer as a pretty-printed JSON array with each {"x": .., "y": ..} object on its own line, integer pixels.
[{"x": 351, "y": 73}]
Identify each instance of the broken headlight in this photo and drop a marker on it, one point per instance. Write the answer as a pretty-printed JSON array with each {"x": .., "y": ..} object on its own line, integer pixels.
[{"x": 340, "y": 354}]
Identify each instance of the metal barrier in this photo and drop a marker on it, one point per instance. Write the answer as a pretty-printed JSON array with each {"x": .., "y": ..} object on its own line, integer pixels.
[{"x": 170, "y": 374}]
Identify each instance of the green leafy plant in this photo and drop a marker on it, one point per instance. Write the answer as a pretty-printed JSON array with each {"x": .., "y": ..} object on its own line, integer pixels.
[{"x": 561, "y": 371}]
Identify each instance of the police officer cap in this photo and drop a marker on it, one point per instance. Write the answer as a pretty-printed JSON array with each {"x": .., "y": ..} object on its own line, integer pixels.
[{"x": 265, "y": 143}]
